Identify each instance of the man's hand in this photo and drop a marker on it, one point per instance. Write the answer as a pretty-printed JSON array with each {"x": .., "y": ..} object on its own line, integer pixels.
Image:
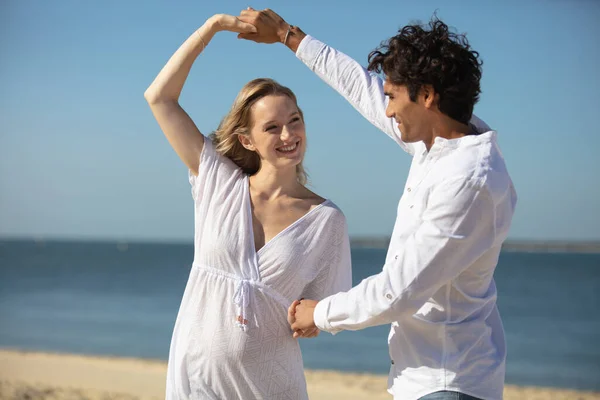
[
  {"x": 301, "y": 320},
  {"x": 271, "y": 28}
]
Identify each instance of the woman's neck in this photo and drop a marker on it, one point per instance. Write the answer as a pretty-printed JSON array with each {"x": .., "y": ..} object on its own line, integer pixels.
[{"x": 272, "y": 183}]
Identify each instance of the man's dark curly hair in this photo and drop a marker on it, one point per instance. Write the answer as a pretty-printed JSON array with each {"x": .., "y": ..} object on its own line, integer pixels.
[{"x": 432, "y": 55}]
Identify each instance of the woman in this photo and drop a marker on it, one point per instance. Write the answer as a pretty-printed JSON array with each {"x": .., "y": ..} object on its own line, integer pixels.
[{"x": 262, "y": 239}]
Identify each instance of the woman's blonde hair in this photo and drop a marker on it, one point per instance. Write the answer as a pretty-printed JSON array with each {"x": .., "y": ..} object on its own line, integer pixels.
[{"x": 238, "y": 122}]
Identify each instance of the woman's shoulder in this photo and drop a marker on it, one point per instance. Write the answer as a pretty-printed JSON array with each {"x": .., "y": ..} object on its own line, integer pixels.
[
  {"x": 331, "y": 214},
  {"x": 327, "y": 211}
]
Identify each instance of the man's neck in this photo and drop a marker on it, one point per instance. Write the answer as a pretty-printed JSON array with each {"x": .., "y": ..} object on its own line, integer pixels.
[{"x": 449, "y": 128}]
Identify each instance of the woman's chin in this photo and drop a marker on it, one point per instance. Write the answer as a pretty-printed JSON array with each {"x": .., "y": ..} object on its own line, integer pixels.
[{"x": 286, "y": 163}]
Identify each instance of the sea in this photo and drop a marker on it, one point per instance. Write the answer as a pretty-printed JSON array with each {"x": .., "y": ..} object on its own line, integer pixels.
[{"x": 121, "y": 299}]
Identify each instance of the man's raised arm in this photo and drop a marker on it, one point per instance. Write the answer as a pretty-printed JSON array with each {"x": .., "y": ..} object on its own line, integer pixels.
[{"x": 362, "y": 89}]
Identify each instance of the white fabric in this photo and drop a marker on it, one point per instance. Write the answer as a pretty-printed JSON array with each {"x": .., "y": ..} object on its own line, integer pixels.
[
  {"x": 213, "y": 355},
  {"x": 437, "y": 287}
]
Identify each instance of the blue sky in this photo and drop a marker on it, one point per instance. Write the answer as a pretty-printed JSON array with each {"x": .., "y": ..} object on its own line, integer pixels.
[{"x": 82, "y": 157}]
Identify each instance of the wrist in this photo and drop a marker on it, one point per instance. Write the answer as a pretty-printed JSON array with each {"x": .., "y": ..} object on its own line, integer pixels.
[
  {"x": 283, "y": 31},
  {"x": 294, "y": 37}
]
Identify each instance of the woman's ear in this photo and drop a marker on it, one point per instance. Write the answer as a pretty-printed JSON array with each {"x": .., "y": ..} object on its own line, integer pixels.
[{"x": 246, "y": 142}]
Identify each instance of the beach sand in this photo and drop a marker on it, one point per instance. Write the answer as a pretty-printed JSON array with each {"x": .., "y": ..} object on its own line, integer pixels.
[{"x": 32, "y": 376}]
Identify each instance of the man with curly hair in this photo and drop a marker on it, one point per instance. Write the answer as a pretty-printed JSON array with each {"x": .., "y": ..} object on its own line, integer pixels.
[{"x": 436, "y": 288}]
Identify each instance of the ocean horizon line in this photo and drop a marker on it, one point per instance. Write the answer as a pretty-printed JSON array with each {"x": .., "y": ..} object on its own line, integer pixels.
[{"x": 356, "y": 241}]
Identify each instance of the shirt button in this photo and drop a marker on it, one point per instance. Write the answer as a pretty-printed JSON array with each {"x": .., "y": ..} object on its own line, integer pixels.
[
  {"x": 388, "y": 296},
  {"x": 408, "y": 190},
  {"x": 395, "y": 258},
  {"x": 392, "y": 362},
  {"x": 411, "y": 206}
]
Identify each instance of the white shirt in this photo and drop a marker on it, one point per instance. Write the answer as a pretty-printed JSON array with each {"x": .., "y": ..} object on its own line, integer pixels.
[
  {"x": 436, "y": 287},
  {"x": 212, "y": 355}
]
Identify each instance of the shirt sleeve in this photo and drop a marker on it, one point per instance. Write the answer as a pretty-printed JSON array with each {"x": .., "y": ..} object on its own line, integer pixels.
[
  {"x": 335, "y": 274},
  {"x": 361, "y": 88},
  {"x": 456, "y": 228},
  {"x": 216, "y": 175}
]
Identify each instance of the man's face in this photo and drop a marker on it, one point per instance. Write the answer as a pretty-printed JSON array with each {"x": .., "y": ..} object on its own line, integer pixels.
[{"x": 411, "y": 116}]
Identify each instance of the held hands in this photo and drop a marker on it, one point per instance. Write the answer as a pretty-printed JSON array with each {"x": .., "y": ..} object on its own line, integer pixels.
[
  {"x": 301, "y": 318},
  {"x": 270, "y": 27},
  {"x": 264, "y": 26}
]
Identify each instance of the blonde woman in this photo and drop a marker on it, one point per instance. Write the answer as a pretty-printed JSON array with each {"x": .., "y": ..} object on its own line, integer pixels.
[{"x": 262, "y": 239}]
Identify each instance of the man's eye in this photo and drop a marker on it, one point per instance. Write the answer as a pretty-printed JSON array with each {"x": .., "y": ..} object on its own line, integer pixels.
[{"x": 296, "y": 119}]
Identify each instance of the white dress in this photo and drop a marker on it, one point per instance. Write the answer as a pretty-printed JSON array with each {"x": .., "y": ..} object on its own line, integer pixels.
[{"x": 214, "y": 354}]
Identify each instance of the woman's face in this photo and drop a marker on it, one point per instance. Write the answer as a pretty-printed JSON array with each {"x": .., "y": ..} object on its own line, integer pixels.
[{"x": 277, "y": 132}]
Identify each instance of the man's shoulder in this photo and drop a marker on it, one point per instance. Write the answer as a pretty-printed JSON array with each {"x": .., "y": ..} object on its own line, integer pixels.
[{"x": 480, "y": 163}]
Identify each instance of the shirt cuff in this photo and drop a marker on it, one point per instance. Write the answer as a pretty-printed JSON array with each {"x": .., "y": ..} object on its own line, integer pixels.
[
  {"x": 320, "y": 316},
  {"x": 308, "y": 50}
]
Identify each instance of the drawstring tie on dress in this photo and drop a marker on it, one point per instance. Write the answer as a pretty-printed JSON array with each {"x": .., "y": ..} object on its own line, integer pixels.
[
  {"x": 244, "y": 293},
  {"x": 241, "y": 298}
]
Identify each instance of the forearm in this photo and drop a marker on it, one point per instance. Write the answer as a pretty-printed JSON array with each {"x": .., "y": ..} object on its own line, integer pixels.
[
  {"x": 168, "y": 84},
  {"x": 458, "y": 229},
  {"x": 400, "y": 289}
]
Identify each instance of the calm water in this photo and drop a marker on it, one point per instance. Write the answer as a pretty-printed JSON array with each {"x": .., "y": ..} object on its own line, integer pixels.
[{"x": 95, "y": 298}]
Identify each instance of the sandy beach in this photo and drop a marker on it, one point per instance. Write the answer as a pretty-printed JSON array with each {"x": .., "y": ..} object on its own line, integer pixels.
[{"x": 29, "y": 375}]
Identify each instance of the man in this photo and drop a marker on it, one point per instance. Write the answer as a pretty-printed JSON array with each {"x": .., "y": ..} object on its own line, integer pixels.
[{"x": 436, "y": 287}]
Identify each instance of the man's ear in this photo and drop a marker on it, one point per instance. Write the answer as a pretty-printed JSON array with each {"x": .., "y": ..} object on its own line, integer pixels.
[
  {"x": 428, "y": 96},
  {"x": 246, "y": 142}
]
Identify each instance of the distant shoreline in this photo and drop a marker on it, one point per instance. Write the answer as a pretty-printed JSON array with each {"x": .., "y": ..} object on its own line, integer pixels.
[{"x": 521, "y": 246}]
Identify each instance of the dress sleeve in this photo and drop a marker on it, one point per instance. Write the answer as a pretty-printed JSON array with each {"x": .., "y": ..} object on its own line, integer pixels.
[{"x": 216, "y": 175}]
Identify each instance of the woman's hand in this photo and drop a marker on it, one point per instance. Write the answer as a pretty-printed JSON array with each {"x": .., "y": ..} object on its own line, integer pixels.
[{"x": 225, "y": 22}]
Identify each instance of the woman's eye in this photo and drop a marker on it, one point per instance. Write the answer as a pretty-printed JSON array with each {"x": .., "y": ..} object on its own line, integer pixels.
[
  {"x": 270, "y": 128},
  {"x": 295, "y": 119}
]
